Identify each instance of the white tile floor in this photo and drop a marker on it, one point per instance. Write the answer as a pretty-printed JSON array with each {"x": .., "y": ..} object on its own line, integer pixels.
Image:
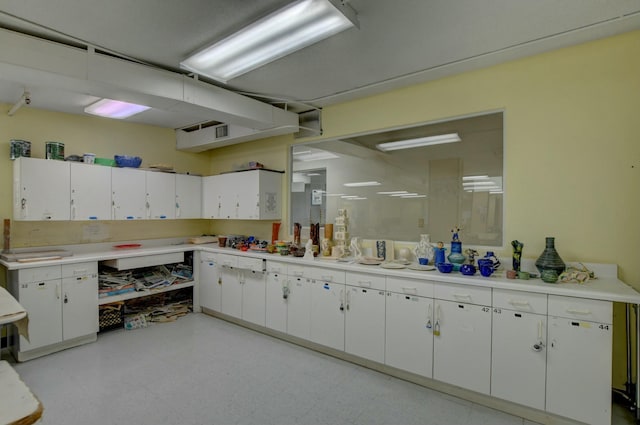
[{"x": 204, "y": 371}]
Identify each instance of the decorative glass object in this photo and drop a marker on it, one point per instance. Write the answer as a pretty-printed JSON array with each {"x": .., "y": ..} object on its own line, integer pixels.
[
  {"x": 517, "y": 254},
  {"x": 424, "y": 249}
]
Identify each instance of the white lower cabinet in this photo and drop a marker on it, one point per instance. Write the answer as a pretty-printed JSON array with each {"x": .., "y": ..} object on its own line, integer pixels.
[
  {"x": 277, "y": 297},
  {"x": 253, "y": 296},
  {"x": 365, "y": 316},
  {"x": 409, "y": 333},
  {"x": 328, "y": 308},
  {"x": 242, "y": 288},
  {"x": 519, "y": 350},
  {"x": 61, "y": 301},
  {"x": 462, "y": 337},
  {"x": 210, "y": 284},
  {"x": 579, "y": 359},
  {"x": 299, "y": 306}
]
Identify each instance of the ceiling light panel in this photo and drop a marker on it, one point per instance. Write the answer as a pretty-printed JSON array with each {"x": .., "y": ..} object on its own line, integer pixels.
[
  {"x": 297, "y": 25},
  {"x": 362, "y": 184},
  {"x": 419, "y": 142},
  {"x": 114, "y": 109}
]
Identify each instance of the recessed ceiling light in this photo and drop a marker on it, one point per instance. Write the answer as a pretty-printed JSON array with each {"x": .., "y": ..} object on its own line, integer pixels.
[{"x": 115, "y": 109}]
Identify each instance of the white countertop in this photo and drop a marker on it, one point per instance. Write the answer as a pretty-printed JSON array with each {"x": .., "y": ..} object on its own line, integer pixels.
[{"x": 606, "y": 287}]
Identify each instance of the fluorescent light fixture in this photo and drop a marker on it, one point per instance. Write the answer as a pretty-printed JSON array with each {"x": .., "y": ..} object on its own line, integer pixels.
[
  {"x": 413, "y": 196},
  {"x": 314, "y": 156},
  {"x": 471, "y": 184},
  {"x": 295, "y": 26},
  {"x": 393, "y": 192},
  {"x": 114, "y": 109},
  {"x": 402, "y": 195},
  {"x": 362, "y": 184},
  {"x": 334, "y": 194},
  {"x": 419, "y": 142},
  {"x": 349, "y": 196},
  {"x": 475, "y": 177}
]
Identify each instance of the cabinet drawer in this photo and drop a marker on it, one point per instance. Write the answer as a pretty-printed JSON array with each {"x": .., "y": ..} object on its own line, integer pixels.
[
  {"x": 410, "y": 286},
  {"x": 227, "y": 260},
  {"x": 463, "y": 293},
  {"x": 79, "y": 269},
  {"x": 128, "y": 263},
  {"x": 297, "y": 270},
  {"x": 37, "y": 274},
  {"x": 253, "y": 264},
  {"x": 276, "y": 267},
  {"x": 529, "y": 302},
  {"x": 581, "y": 309},
  {"x": 327, "y": 275},
  {"x": 366, "y": 280}
]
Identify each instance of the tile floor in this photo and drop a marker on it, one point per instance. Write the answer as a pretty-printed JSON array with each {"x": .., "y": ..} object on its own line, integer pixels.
[{"x": 204, "y": 371}]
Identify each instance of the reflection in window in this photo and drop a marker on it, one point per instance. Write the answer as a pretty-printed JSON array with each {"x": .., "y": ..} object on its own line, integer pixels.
[{"x": 399, "y": 192}]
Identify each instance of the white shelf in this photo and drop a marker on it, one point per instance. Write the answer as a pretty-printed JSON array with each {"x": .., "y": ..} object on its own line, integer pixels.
[{"x": 138, "y": 294}]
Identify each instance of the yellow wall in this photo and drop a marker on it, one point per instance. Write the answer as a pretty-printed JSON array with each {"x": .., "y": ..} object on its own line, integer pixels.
[
  {"x": 572, "y": 158},
  {"x": 105, "y": 138},
  {"x": 571, "y": 155}
]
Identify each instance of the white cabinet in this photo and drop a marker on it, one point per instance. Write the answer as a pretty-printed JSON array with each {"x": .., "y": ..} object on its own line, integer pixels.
[
  {"x": 242, "y": 288},
  {"x": 409, "y": 326},
  {"x": 246, "y": 195},
  {"x": 462, "y": 336},
  {"x": 277, "y": 296},
  {"x": 210, "y": 285},
  {"x": 328, "y": 307},
  {"x": 579, "y": 358},
  {"x": 299, "y": 302},
  {"x": 128, "y": 193},
  {"x": 160, "y": 195},
  {"x": 62, "y": 304},
  {"x": 188, "y": 203},
  {"x": 519, "y": 347},
  {"x": 41, "y": 189},
  {"x": 90, "y": 192},
  {"x": 365, "y": 316}
]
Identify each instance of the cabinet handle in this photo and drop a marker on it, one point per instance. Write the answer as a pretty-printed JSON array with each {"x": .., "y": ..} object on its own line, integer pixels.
[
  {"x": 462, "y": 297},
  {"x": 342, "y": 300},
  {"x": 57, "y": 290},
  {"x": 23, "y": 208},
  {"x": 148, "y": 210},
  {"x": 413, "y": 291},
  {"x": 73, "y": 209},
  {"x": 66, "y": 298},
  {"x": 365, "y": 283},
  {"x": 537, "y": 347},
  {"x": 576, "y": 311},
  {"x": 429, "y": 314},
  {"x": 177, "y": 210}
]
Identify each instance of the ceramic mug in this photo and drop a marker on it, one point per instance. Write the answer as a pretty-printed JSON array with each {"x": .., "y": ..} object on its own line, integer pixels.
[
  {"x": 423, "y": 261},
  {"x": 486, "y": 270}
]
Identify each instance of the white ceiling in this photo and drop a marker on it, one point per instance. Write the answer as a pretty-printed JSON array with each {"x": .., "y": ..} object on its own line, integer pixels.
[{"x": 398, "y": 43}]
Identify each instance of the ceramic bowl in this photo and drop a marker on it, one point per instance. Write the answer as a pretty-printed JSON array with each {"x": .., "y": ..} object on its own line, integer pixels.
[
  {"x": 468, "y": 269},
  {"x": 445, "y": 267}
]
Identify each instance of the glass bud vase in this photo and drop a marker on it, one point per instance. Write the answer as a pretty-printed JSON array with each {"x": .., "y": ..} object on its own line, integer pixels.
[{"x": 550, "y": 259}]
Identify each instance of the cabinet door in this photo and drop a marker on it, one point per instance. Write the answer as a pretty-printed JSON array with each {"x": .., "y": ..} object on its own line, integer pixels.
[
  {"x": 231, "y": 292},
  {"x": 42, "y": 302},
  {"x": 41, "y": 189},
  {"x": 210, "y": 292},
  {"x": 408, "y": 336},
  {"x": 128, "y": 187},
  {"x": 579, "y": 370},
  {"x": 228, "y": 188},
  {"x": 90, "y": 192},
  {"x": 364, "y": 323},
  {"x": 327, "y": 314},
  {"x": 161, "y": 195},
  {"x": 299, "y": 305},
  {"x": 518, "y": 362},
  {"x": 211, "y": 201},
  {"x": 277, "y": 296},
  {"x": 188, "y": 196},
  {"x": 248, "y": 197},
  {"x": 79, "y": 306},
  {"x": 270, "y": 198},
  {"x": 462, "y": 350},
  {"x": 253, "y": 296}
]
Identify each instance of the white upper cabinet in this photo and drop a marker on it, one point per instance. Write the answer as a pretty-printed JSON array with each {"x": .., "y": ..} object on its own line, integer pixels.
[
  {"x": 188, "y": 196},
  {"x": 161, "y": 195},
  {"x": 128, "y": 194},
  {"x": 41, "y": 189},
  {"x": 90, "y": 192},
  {"x": 245, "y": 195}
]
